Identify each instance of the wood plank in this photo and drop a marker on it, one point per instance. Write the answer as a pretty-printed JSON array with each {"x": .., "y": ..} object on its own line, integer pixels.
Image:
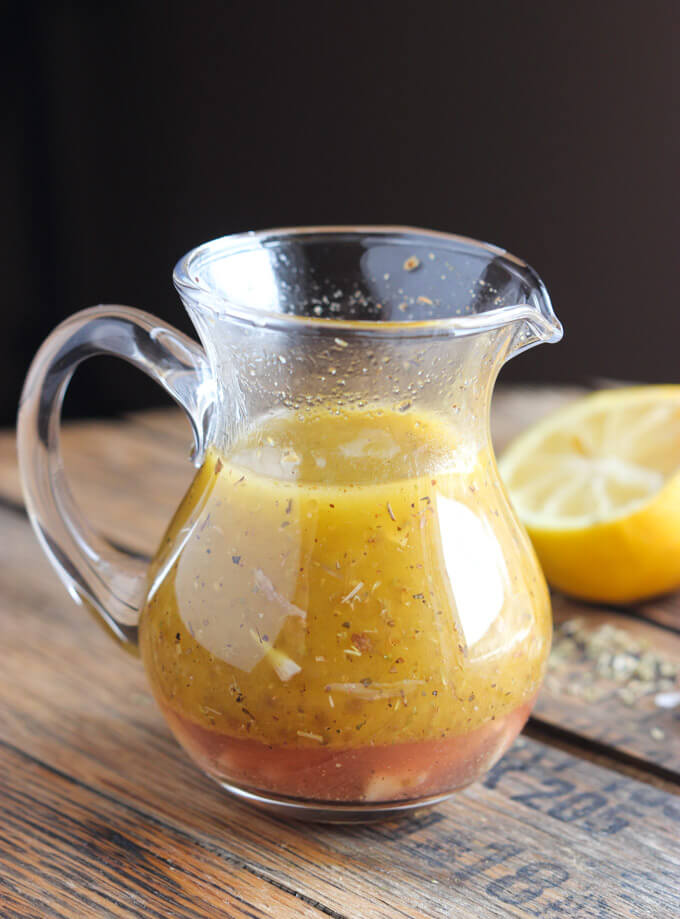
[
  {"x": 625, "y": 714},
  {"x": 124, "y": 477},
  {"x": 10, "y": 486},
  {"x": 664, "y": 610},
  {"x": 169, "y": 423},
  {"x": 70, "y": 851},
  {"x": 131, "y": 476},
  {"x": 545, "y": 835},
  {"x": 514, "y": 408}
]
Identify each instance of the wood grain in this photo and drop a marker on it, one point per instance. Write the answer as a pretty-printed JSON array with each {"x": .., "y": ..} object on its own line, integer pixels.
[
  {"x": 70, "y": 851},
  {"x": 104, "y": 815},
  {"x": 130, "y": 475},
  {"x": 665, "y": 611},
  {"x": 643, "y": 730},
  {"x": 514, "y": 408},
  {"x": 126, "y": 478},
  {"x": 103, "y": 807}
]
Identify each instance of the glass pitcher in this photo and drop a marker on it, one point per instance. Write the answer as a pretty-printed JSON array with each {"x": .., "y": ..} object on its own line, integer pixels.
[{"x": 344, "y": 618}]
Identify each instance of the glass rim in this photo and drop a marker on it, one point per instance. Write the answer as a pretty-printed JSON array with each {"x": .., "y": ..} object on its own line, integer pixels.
[{"x": 206, "y": 298}]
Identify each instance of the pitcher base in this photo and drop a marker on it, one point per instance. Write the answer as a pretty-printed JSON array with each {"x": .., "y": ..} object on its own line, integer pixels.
[{"x": 327, "y": 812}]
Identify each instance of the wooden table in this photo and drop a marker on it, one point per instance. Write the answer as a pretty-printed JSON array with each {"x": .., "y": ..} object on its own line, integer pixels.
[{"x": 103, "y": 815}]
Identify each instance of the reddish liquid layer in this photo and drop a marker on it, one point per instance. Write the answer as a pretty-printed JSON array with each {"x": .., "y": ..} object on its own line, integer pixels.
[{"x": 369, "y": 773}]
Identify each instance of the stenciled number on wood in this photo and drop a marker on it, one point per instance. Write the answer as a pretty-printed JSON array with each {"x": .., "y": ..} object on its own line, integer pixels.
[
  {"x": 527, "y": 883},
  {"x": 557, "y": 797}
]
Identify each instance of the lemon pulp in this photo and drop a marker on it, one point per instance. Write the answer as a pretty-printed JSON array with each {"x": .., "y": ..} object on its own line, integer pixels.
[{"x": 597, "y": 487}]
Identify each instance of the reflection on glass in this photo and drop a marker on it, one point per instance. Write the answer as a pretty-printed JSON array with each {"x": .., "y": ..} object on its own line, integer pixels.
[{"x": 475, "y": 567}]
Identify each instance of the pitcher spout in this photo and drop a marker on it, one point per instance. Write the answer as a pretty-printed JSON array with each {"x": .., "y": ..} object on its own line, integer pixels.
[
  {"x": 533, "y": 326},
  {"x": 510, "y": 295}
]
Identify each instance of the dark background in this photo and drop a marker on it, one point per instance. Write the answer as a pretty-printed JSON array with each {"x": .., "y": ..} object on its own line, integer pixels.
[{"x": 136, "y": 131}]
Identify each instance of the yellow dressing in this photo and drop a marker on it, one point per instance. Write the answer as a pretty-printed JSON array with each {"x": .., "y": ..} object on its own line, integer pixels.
[{"x": 345, "y": 579}]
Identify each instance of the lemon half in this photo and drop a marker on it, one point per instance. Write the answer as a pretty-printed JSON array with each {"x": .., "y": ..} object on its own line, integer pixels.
[{"x": 597, "y": 485}]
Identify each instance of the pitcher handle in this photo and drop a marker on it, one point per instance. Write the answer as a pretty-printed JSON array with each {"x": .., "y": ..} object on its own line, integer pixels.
[{"x": 95, "y": 573}]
